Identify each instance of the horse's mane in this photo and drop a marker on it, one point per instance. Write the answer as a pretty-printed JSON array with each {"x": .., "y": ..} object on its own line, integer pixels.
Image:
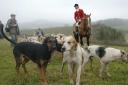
[{"x": 85, "y": 24}]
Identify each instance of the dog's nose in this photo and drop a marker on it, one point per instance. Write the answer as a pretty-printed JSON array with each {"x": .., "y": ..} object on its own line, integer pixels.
[{"x": 63, "y": 49}]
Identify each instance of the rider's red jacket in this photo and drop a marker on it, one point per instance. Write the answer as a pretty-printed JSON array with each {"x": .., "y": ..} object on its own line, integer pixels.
[{"x": 78, "y": 15}]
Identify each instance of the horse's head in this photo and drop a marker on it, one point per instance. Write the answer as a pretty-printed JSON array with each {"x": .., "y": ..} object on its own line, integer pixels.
[{"x": 87, "y": 19}]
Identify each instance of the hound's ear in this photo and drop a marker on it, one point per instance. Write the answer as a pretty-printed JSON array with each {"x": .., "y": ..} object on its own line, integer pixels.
[
  {"x": 122, "y": 52},
  {"x": 61, "y": 36}
]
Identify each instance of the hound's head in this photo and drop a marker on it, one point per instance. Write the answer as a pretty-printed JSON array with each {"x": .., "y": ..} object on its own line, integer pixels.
[
  {"x": 69, "y": 44},
  {"x": 60, "y": 38},
  {"x": 124, "y": 56},
  {"x": 51, "y": 42}
]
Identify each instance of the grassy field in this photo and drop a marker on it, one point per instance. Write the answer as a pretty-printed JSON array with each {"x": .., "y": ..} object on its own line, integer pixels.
[{"x": 8, "y": 76}]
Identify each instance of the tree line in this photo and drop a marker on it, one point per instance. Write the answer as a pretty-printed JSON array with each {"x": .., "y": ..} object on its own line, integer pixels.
[{"x": 107, "y": 34}]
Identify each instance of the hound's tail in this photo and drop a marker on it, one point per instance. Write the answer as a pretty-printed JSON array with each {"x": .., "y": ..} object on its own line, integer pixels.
[{"x": 2, "y": 31}]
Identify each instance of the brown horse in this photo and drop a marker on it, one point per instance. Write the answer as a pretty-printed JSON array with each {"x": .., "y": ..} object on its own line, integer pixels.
[{"x": 84, "y": 30}]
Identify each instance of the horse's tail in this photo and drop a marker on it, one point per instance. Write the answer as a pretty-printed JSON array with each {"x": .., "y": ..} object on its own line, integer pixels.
[{"x": 2, "y": 31}]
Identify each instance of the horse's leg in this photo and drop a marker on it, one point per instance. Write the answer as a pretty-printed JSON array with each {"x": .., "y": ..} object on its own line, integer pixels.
[
  {"x": 76, "y": 35},
  {"x": 88, "y": 39},
  {"x": 81, "y": 39}
]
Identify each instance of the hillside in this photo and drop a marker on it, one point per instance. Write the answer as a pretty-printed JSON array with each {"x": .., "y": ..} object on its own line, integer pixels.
[
  {"x": 63, "y": 29},
  {"x": 121, "y": 24},
  {"x": 115, "y": 23},
  {"x": 43, "y": 24}
]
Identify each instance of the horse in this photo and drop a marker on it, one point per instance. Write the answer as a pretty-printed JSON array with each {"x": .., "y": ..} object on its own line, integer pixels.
[{"x": 84, "y": 30}]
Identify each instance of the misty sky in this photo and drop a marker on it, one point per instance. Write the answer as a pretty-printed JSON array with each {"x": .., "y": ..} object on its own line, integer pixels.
[{"x": 61, "y": 10}]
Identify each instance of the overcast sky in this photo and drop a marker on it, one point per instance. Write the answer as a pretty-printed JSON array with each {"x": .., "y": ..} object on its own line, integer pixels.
[{"x": 61, "y": 10}]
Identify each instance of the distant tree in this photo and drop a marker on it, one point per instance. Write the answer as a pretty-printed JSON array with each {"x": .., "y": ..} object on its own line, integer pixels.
[{"x": 106, "y": 33}]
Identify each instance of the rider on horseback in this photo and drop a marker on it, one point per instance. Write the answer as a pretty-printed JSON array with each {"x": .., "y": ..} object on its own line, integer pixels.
[
  {"x": 82, "y": 27},
  {"x": 78, "y": 16}
]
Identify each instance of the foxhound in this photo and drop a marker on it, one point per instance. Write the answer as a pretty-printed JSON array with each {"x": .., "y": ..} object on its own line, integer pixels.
[
  {"x": 74, "y": 55},
  {"x": 106, "y": 55}
]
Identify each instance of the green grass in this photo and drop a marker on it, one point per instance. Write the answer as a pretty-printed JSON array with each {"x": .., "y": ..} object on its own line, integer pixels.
[{"x": 8, "y": 76}]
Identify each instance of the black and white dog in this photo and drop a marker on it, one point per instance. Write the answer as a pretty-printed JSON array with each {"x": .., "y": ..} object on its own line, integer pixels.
[{"x": 106, "y": 55}]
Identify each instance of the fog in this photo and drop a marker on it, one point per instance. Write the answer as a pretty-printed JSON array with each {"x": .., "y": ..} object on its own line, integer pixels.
[{"x": 61, "y": 10}]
